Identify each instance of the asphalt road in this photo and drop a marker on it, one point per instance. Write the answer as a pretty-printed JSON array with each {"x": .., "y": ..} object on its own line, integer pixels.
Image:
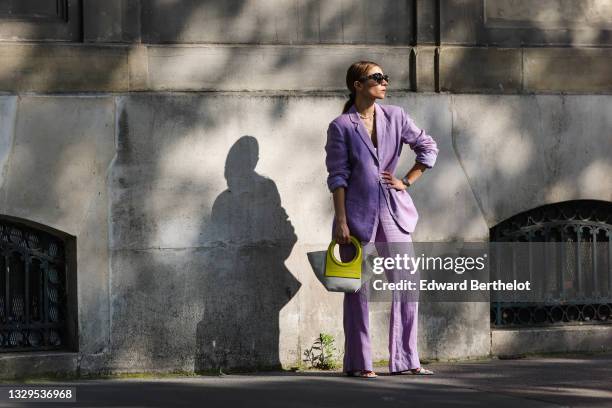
[{"x": 576, "y": 381}]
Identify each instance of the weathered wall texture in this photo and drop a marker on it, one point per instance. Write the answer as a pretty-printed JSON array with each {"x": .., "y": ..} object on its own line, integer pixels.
[
  {"x": 460, "y": 46},
  {"x": 300, "y": 68},
  {"x": 55, "y": 155},
  {"x": 213, "y": 201},
  {"x": 181, "y": 144}
]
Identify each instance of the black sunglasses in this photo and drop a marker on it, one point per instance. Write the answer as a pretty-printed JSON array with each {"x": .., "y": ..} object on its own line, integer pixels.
[{"x": 378, "y": 77}]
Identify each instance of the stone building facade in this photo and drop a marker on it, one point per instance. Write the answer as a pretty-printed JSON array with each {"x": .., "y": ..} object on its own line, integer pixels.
[{"x": 162, "y": 168}]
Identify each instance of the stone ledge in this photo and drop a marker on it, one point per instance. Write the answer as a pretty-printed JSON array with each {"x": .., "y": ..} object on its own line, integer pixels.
[
  {"x": 525, "y": 70},
  {"x": 59, "y": 68},
  {"x": 39, "y": 67},
  {"x": 480, "y": 70},
  {"x": 36, "y": 67},
  {"x": 38, "y": 363},
  {"x": 590, "y": 338},
  {"x": 567, "y": 70}
]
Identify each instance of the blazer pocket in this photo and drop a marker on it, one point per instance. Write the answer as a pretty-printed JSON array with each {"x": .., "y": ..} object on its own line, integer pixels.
[
  {"x": 404, "y": 195},
  {"x": 403, "y": 200}
]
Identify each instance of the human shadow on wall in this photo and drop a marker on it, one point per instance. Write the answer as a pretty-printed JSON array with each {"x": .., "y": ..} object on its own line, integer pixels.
[{"x": 246, "y": 283}]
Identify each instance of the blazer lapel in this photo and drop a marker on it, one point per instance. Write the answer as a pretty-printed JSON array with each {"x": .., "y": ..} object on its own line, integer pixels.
[{"x": 361, "y": 130}]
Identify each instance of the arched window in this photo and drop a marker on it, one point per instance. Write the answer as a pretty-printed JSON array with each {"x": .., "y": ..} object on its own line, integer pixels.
[
  {"x": 33, "y": 302},
  {"x": 577, "y": 276}
]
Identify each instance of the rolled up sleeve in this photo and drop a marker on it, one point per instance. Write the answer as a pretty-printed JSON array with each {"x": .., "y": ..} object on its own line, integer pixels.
[
  {"x": 337, "y": 162},
  {"x": 420, "y": 142}
]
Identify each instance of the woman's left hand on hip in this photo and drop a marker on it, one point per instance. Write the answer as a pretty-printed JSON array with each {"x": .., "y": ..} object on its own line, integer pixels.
[{"x": 391, "y": 181}]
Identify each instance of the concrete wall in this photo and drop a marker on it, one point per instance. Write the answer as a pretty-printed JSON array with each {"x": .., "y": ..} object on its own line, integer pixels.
[
  {"x": 55, "y": 156},
  {"x": 213, "y": 200}
]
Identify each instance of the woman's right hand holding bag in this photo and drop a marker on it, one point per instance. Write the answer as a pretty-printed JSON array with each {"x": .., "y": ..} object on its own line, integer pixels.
[{"x": 342, "y": 233}]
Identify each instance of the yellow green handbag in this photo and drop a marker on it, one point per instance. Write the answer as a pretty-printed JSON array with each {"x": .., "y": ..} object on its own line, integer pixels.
[
  {"x": 335, "y": 275},
  {"x": 339, "y": 269}
]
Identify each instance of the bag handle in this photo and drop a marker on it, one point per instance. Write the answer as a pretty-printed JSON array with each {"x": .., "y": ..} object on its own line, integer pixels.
[{"x": 356, "y": 244}]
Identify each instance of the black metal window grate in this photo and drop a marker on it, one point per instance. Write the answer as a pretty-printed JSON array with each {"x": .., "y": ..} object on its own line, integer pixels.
[
  {"x": 578, "y": 277},
  {"x": 32, "y": 289}
]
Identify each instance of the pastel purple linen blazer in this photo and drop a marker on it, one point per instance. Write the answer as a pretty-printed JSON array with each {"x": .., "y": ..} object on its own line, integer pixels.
[{"x": 353, "y": 163}]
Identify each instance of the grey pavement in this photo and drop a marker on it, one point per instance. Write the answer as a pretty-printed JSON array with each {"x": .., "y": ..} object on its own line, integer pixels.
[{"x": 572, "y": 381}]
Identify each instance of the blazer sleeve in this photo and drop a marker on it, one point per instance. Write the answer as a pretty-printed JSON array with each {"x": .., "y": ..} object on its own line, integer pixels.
[
  {"x": 337, "y": 161},
  {"x": 420, "y": 142}
]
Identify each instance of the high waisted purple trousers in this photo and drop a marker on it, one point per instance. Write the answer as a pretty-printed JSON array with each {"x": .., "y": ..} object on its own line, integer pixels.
[{"x": 403, "y": 353}]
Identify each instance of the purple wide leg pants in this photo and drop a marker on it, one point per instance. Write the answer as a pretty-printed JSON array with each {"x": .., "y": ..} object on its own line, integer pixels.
[{"x": 403, "y": 353}]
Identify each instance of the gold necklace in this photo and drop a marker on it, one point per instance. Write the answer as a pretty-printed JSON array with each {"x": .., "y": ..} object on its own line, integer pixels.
[{"x": 365, "y": 117}]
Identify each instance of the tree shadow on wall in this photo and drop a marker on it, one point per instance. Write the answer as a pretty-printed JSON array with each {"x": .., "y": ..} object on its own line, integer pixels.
[{"x": 246, "y": 283}]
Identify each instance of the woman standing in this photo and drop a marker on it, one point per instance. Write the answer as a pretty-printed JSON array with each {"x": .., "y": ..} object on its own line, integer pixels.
[{"x": 363, "y": 147}]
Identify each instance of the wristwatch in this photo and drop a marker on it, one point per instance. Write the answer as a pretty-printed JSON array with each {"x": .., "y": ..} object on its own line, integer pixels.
[{"x": 406, "y": 182}]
